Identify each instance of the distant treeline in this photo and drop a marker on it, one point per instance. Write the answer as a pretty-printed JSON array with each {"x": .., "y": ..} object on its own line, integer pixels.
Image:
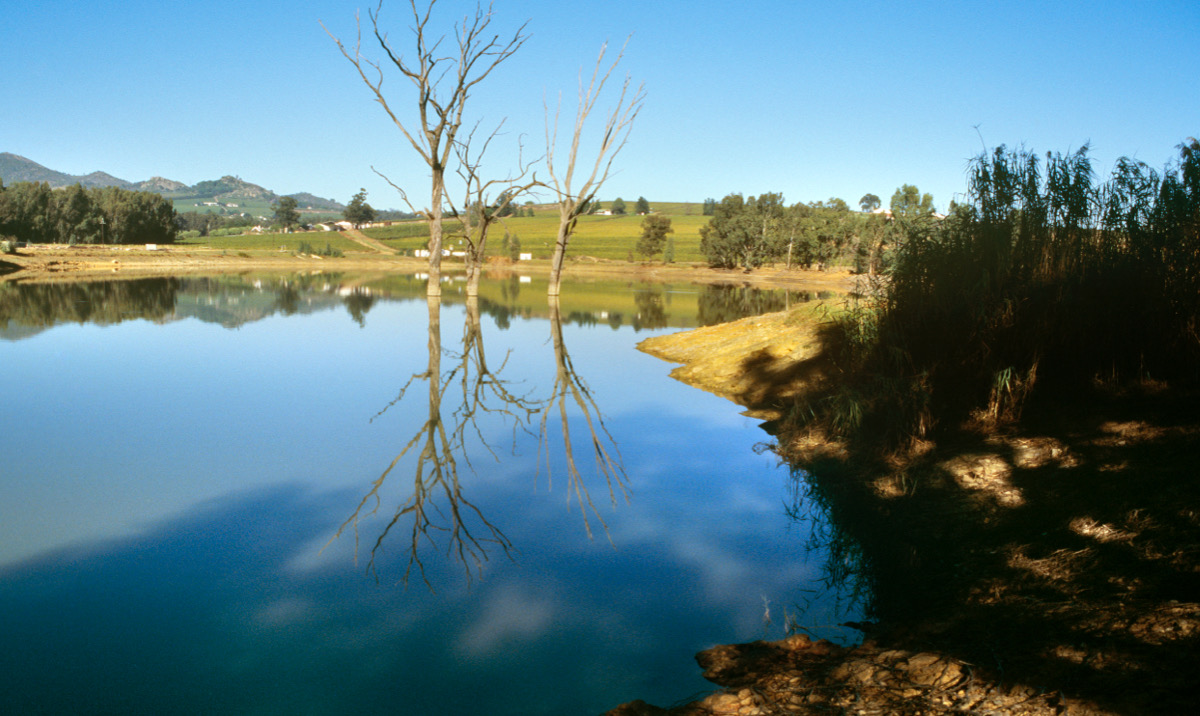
[
  {"x": 1044, "y": 280},
  {"x": 33, "y": 212},
  {"x": 749, "y": 232},
  {"x": 208, "y": 222}
]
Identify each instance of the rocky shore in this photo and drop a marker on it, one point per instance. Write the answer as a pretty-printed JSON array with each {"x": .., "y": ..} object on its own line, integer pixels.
[{"x": 1052, "y": 568}]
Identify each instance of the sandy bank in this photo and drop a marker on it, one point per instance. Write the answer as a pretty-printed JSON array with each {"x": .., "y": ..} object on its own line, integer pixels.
[{"x": 58, "y": 261}]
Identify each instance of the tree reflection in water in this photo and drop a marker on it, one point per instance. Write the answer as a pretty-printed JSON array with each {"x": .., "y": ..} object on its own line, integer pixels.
[
  {"x": 845, "y": 572},
  {"x": 568, "y": 384},
  {"x": 437, "y": 505},
  {"x": 437, "y": 514}
]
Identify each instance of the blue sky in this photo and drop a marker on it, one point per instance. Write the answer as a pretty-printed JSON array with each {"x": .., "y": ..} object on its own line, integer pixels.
[{"x": 811, "y": 99}]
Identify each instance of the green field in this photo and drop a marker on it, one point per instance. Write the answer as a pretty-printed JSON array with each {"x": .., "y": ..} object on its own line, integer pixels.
[
  {"x": 273, "y": 242},
  {"x": 601, "y": 237}
]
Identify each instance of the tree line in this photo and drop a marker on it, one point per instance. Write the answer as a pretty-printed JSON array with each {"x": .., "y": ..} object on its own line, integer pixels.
[
  {"x": 747, "y": 232},
  {"x": 33, "y": 212}
]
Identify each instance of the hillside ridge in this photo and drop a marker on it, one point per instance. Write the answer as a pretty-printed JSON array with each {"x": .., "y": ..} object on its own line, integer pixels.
[{"x": 15, "y": 168}]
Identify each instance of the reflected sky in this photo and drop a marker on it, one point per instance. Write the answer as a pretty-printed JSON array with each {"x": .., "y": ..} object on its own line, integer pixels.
[{"x": 171, "y": 490}]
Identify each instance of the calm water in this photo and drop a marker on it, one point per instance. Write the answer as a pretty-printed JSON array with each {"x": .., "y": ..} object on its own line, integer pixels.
[{"x": 325, "y": 494}]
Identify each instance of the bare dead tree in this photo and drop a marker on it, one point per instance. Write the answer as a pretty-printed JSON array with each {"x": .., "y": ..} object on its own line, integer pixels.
[
  {"x": 476, "y": 215},
  {"x": 443, "y": 85},
  {"x": 572, "y": 200}
]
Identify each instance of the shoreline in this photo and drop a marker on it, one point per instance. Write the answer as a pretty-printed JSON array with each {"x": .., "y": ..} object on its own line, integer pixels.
[
  {"x": 1048, "y": 568},
  {"x": 56, "y": 262}
]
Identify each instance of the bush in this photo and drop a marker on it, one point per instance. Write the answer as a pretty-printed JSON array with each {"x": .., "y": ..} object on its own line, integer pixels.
[{"x": 306, "y": 248}]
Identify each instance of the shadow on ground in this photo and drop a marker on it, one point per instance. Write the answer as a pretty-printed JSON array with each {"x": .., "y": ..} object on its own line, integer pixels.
[
  {"x": 1065, "y": 557},
  {"x": 1050, "y": 569}
]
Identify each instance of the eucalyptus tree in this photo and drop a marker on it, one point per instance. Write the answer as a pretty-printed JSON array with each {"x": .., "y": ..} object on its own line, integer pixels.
[
  {"x": 76, "y": 220},
  {"x": 869, "y": 203},
  {"x": 443, "y": 82},
  {"x": 744, "y": 232},
  {"x": 285, "y": 212},
  {"x": 358, "y": 211},
  {"x": 573, "y": 200},
  {"x": 909, "y": 203},
  {"x": 654, "y": 235}
]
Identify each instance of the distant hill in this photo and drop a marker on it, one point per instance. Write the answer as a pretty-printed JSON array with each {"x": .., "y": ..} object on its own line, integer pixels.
[
  {"x": 307, "y": 201},
  {"x": 159, "y": 185},
  {"x": 14, "y": 168},
  {"x": 224, "y": 194}
]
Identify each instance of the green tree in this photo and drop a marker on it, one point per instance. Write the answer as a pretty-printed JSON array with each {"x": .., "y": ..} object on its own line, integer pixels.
[
  {"x": 710, "y": 207},
  {"x": 358, "y": 211},
  {"x": 618, "y": 207},
  {"x": 869, "y": 203},
  {"x": 76, "y": 220},
  {"x": 285, "y": 212},
  {"x": 909, "y": 203},
  {"x": 654, "y": 235},
  {"x": 744, "y": 232},
  {"x": 30, "y": 212},
  {"x": 642, "y": 206}
]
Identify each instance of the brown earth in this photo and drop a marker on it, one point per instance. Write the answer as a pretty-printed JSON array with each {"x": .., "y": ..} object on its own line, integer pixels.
[
  {"x": 1051, "y": 568},
  {"x": 58, "y": 261}
]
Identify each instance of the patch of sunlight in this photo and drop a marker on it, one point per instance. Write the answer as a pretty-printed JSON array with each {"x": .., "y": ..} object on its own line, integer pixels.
[
  {"x": 1059, "y": 565},
  {"x": 989, "y": 474},
  {"x": 1122, "y": 433},
  {"x": 896, "y": 485},
  {"x": 1031, "y": 453},
  {"x": 1101, "y": 532}
]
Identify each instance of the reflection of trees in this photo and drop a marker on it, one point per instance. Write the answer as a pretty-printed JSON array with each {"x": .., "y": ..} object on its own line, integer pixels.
[
  {"x": 99, "y": 302},
  {"x": 437, "y": 516},
  {"x": 358, "y": 302},
  {"x": 483, "y": 390},
  {"x": 569, "y": 386},
  {"x": 437, "y": 506},
  {"x": 651, "y": 309},
  {"x": 722, "y": 304},
  {"x": 287, "y": 298},
  {"x": 845, "y": 573}
]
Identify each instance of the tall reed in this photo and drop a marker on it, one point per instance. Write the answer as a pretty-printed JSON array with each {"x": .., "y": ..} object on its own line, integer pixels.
[{"x": 1043, "y": 278}]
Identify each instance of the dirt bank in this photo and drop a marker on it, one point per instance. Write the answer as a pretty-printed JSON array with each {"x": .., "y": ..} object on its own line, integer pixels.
[
  {"x": 1049, "y": 569},
  {"x": 58, "y": 261}
]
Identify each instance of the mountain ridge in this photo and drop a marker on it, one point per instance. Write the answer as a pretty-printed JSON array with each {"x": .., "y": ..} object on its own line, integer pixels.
[{"x": 15, "y": 168}]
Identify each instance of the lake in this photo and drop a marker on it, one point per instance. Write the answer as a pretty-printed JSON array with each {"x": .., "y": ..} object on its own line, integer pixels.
[{"x": 324, "y": 494}]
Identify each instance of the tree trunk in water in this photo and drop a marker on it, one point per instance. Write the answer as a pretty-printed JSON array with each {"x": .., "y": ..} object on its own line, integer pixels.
[
  {"x": 475, "y": 255},
  {"x": 560, "y": 255},
  {"x": 435, "y": 234},
  {"x": 474, "y": 270}
]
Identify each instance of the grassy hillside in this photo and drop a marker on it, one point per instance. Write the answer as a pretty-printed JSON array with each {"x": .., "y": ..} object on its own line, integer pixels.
[{"x": 602, "y": 237}]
